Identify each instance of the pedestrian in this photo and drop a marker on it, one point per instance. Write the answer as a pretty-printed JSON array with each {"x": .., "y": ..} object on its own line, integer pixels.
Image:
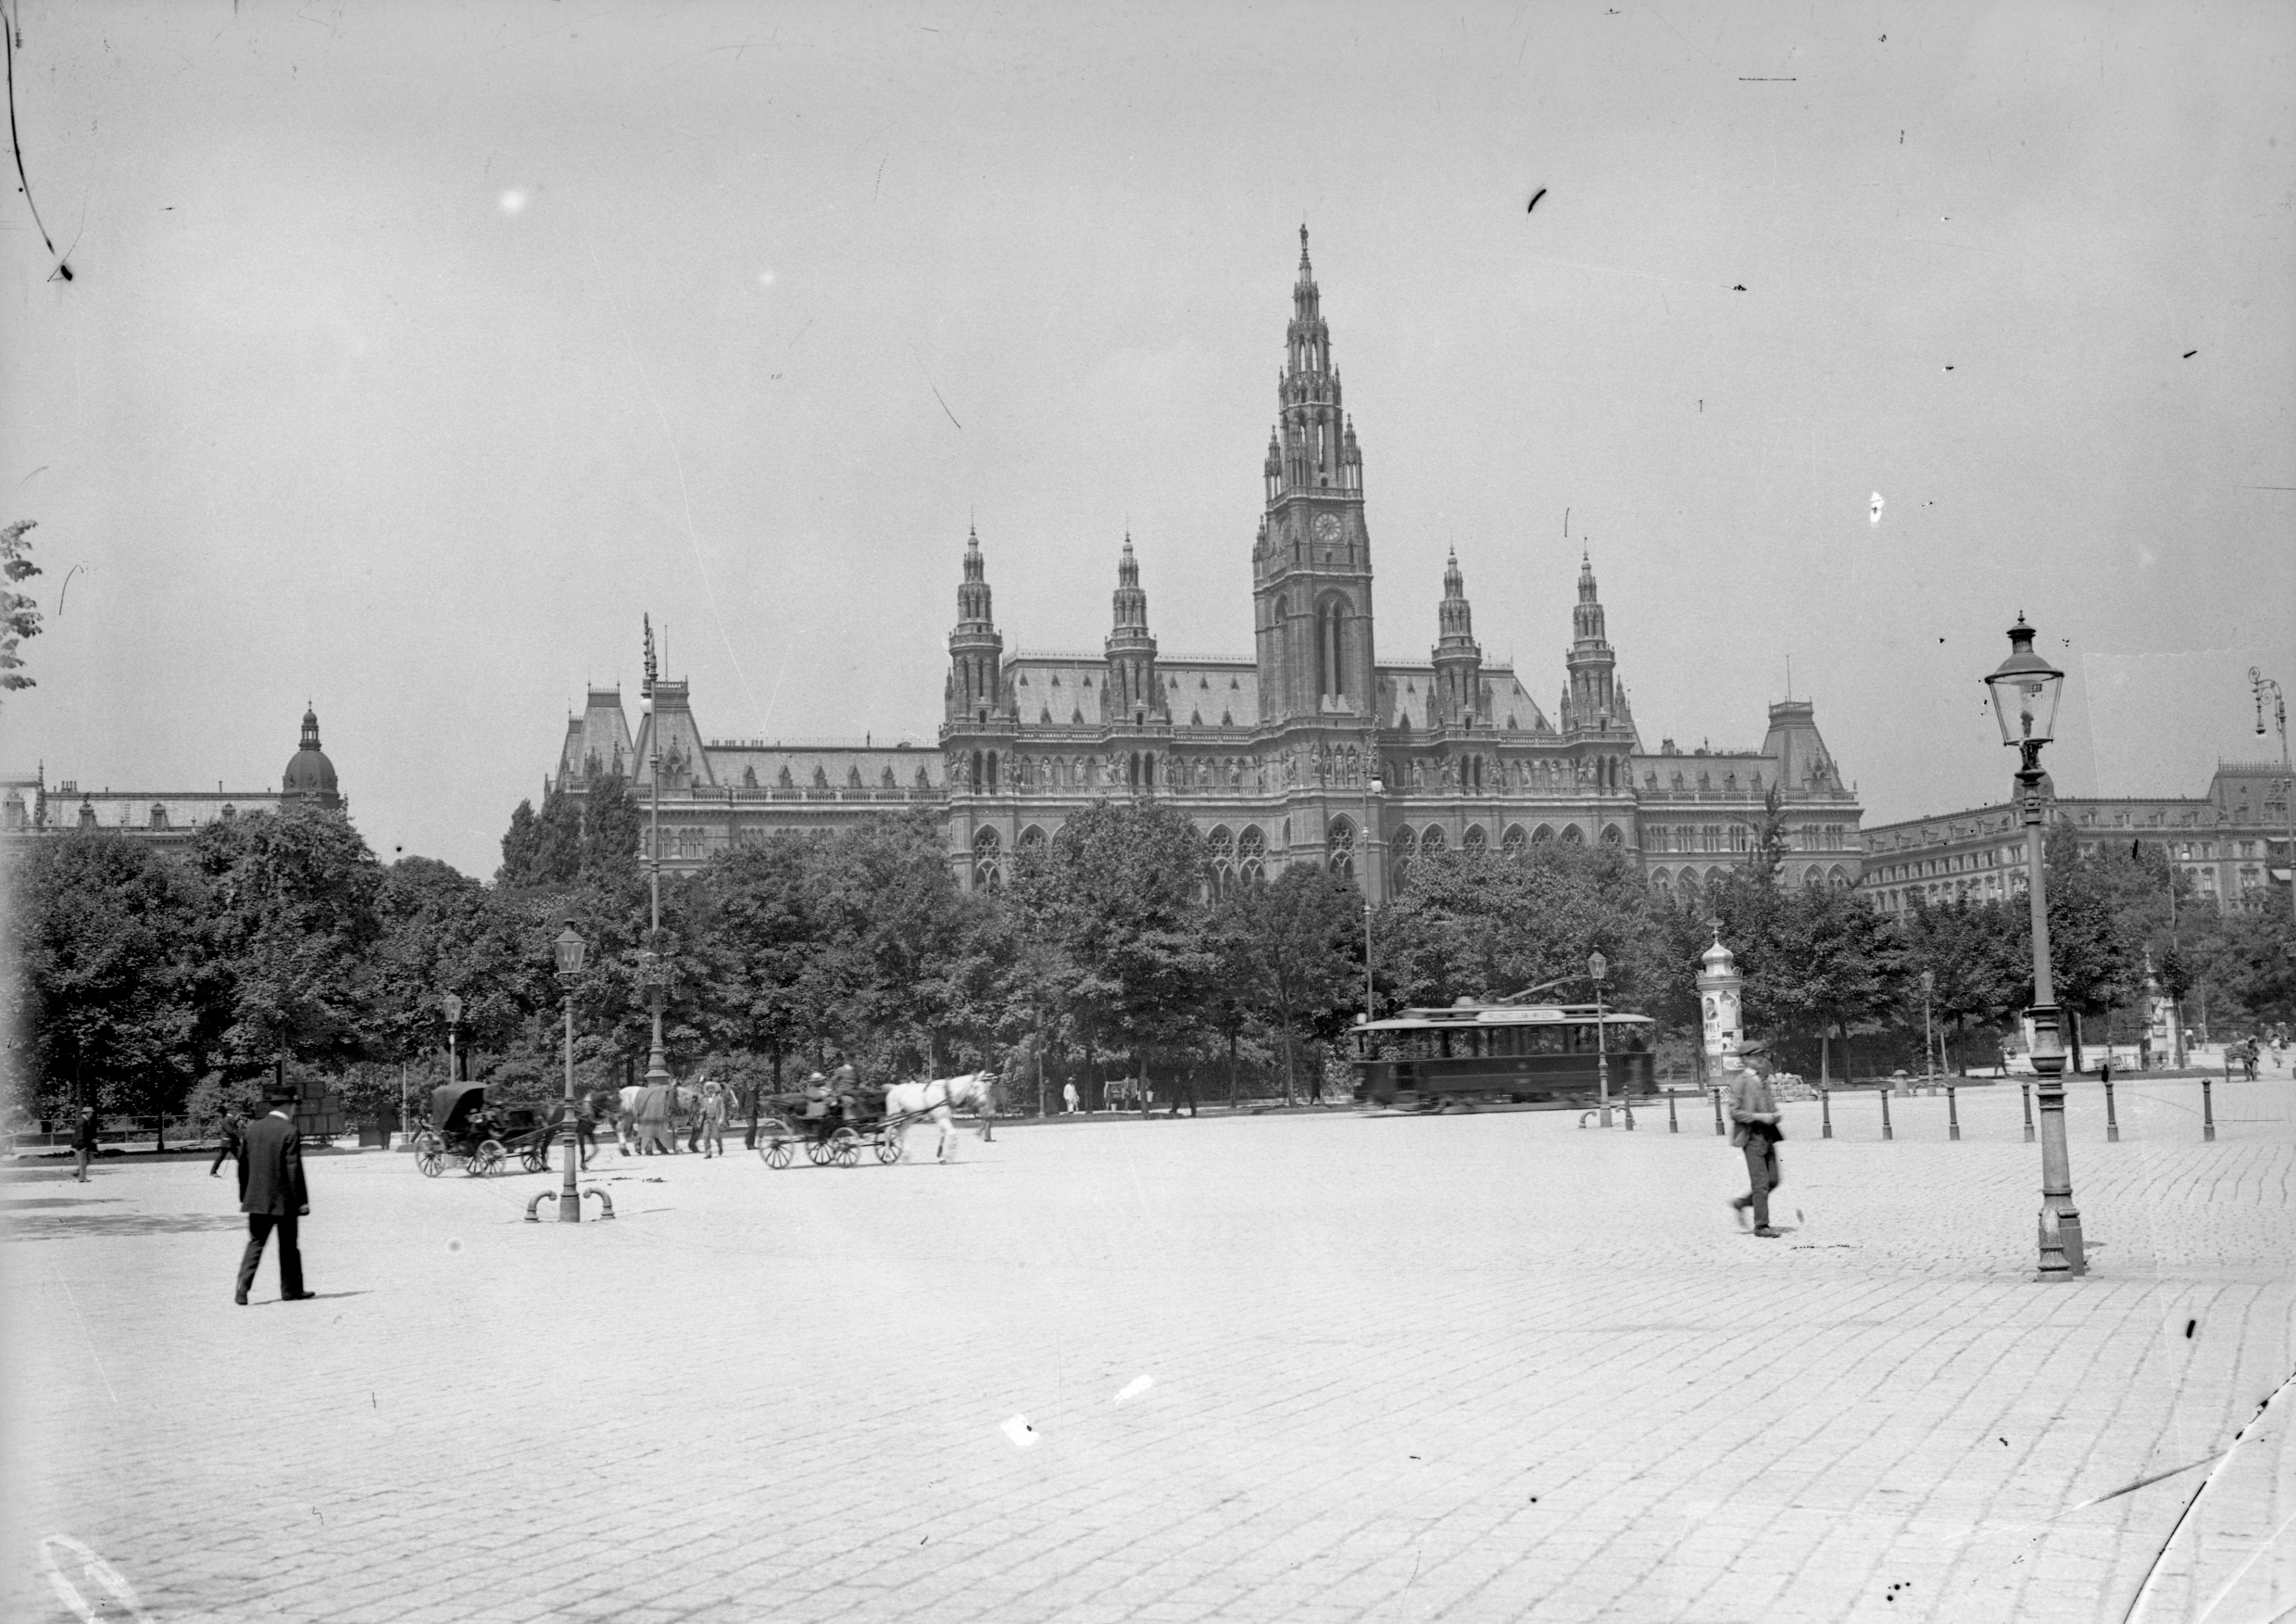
[
  {"x": 625, "y": 1118},
  {"x": 692, "y": 1106},
  {"x": 83, "y": 1140},
  {"x": 1068, "y": 1097},
  {"x": 654, "y": 1137},
  {"x": 230, "y": 1146},
  {"x": 711, "y": 1119},
  {"x": 1755, "y": 1112},
  {"x": 272, "y": 1194}
]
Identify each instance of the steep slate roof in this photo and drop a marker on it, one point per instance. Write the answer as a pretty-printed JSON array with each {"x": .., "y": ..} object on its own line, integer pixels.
[{"x": 600, "y": 729}]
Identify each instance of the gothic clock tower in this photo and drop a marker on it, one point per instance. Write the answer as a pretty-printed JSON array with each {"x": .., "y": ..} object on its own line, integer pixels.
[{"x": 1311, "y": 571}]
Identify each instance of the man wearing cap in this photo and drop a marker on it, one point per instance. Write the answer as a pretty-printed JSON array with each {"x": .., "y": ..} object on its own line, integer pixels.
[
  {"x": 272, "y": 1194},
  {"x": 1754, "y": 1113}
]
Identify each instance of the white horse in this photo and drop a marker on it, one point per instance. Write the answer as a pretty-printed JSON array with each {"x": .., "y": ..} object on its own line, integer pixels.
[{"x": 906, "y": 1101}]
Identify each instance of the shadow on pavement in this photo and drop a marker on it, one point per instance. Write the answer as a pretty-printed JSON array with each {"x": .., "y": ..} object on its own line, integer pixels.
[{"x": 33, "y": 1227}]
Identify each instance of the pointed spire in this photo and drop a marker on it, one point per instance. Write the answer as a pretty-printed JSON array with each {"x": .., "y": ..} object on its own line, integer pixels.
[{"x": 1131, "y": 602}]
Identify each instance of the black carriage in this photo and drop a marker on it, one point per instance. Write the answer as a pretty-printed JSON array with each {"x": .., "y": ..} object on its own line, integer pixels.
[
  {"x": 464, "y": 1128},
  {"x": 832, "y": 1134}
]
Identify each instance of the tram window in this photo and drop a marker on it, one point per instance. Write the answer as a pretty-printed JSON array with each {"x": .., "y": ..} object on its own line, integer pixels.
[{"x": 1543, "y": 1040}]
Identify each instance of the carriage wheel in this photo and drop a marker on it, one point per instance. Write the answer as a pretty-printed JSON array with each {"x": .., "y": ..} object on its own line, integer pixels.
[
  {"x": 486, "y": 1158},
  {"x": 845, "y": 1147},
  {"x": 817, "y": 1151},
  {"x": 536, "y": 1158},
  {"x": 889, "y": 1145},
  {"x": 430, "y": 1153},
  {"x": 778, "y": 1152}
]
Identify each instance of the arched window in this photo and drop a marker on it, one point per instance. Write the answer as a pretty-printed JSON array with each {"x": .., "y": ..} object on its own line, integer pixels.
[
  {"x": 1689, "y": 888},
  {"x": 1033, "y": 838},
  {"x": 987, "y": 861},
  {"x": 1571, "y": 836},
  {"x": 1661, "y": 888},
  {"x": 977, "y": 779},
  {"x": 1251, "y": 855},
  {"x": 1339, "y": 847},
  {"x": 1813, "y": 878},
  {"x": 1219, "y": 860},
  {"x": 1514, "y": 842},
  {"x": 992, "y": 772},
  {"x": 1611, "y": 836},
  {"x": 1432, "y": 841},
  {"x": 1330, "y": 645},
  {"x": 1837, "y": 878},
  {"x": 1404, "y": 845},
  {"x": 1474, "y": 840},
  {"x": 1543, "y": 833},
  {"x": 159, "y": 816}
]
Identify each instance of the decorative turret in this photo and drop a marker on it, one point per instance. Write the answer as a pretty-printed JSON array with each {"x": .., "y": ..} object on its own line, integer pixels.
[
  {"x": 975, "y": 648},
  {"x": 1312, "y": 580},
  {"x": 309, "y": 775},
  {"x": 1458, "y": 659},
  {"x": 1133, "y": 693},
  {"x": 1593, "y": 702}
]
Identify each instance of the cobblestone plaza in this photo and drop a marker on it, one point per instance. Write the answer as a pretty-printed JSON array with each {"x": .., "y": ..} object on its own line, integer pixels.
[{"x": 1288, "y": 1367}]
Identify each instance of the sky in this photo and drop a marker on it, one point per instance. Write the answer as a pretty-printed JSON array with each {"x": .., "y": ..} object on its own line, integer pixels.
[{"x": 410, "y": 353}]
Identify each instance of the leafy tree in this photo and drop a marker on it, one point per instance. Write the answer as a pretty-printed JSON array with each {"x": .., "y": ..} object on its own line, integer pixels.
[
  {"x": 291, "y": 923},
  {"x": 1118, "y": 892},
  {"x": 20, "y": 614},
  {"x": 1978, "y": 956},
  {"x": 118, "y": 1009},
  {"x": 1482, "y": 926},
  {"x": 1299, "y": 945}
]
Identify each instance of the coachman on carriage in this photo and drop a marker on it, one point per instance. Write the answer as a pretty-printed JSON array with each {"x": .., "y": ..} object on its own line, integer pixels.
[
  {"x": 464, "y": 1128},
  {"x": 835, "y": 1119}
]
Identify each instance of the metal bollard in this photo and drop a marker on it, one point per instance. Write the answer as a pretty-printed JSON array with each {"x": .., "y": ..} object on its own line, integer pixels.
[
  {"x": 2208, "y": 1108},
  {"x": 1717, "y": 1111},
  {"x": 1953, "y": 1113},
  {"x": 2027, "y": 1090},
  {"x": 1886, "y": 1132},
  {"x": 1825, "y": 1112},
  {"x": 2112, "y": 1121},
  {"x": 1672, "y": 1125}
]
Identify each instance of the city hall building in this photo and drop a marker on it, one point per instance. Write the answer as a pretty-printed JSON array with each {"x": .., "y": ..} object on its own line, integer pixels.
[{"x": 1309, "y": 747}]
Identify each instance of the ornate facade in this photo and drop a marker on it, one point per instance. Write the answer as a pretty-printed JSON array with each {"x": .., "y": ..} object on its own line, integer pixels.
[
  {"x": 2232, "y": 843},
  {"x": 1311, "y": 749},
  {"x": 31, "y": 806}
]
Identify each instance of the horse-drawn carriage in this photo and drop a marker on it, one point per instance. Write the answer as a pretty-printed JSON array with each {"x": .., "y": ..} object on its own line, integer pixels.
[
  {"x": 464, "y": 1129},
  {"x": 835, "y": 1130}
]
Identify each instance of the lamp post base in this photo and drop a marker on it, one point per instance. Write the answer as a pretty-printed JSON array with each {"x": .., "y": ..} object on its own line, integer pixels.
[{"x": 2063, "y": 1257}]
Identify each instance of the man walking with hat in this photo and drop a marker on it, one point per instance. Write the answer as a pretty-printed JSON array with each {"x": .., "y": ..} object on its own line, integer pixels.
[
  {"x": 272, "y": 1194},
  {"x": 1756, "y": 1131}
]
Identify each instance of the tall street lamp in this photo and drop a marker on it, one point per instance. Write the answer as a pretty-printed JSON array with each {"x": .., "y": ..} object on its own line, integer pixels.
[
  {"x": 452, "y": 1004},
  {"x": 568, "y": 948},
  {"x": 2025, "y": 689},
  {"x": 1371, "y": 786},
  {"x": 1597, "y": 968},
  {"x": 2261, "y": 685},
  {"x": 657, "y": 1063}
]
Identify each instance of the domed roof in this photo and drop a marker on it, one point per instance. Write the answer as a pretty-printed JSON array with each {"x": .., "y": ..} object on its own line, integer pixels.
[
  {"x": 1718, "y": 960},
  {"x": 309, "y": 773}
]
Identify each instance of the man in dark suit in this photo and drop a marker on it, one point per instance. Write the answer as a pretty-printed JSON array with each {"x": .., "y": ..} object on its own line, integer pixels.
[{"x": 271, "y": 1193}]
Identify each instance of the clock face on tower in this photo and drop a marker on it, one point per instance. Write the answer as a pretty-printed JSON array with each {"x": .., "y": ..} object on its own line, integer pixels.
[{"x": 1328, "y": 528}]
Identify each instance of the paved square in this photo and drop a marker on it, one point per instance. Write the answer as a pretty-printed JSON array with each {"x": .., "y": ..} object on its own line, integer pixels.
[{"x": 1469, "y": 1368}]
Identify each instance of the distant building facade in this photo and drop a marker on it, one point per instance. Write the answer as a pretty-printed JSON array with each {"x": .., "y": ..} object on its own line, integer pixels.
[
  {"x": 1308, "y": 749},
  {"x": 32, "y": 807},
  {"x": 2231, "y": 843}
]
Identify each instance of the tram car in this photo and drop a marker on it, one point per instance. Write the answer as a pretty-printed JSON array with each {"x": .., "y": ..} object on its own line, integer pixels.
[{"x": 1473, "y": 1053}]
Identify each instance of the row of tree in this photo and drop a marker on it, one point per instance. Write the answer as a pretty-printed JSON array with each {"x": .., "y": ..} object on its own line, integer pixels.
[{"x": 145, "y": 978}]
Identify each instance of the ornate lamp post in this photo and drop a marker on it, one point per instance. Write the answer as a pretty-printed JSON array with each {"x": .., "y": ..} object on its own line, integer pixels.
[
  {"x": 452, "y": 1004},
  {"x": 2025, "y": 689},
  {"x": 1597, "y": 968},
  {"x": 2261, "y": 685},
  {"x": 657, "y": 1063},
  {"x": 1371, "y": 786},
  {"x": 570, "y": 948}
]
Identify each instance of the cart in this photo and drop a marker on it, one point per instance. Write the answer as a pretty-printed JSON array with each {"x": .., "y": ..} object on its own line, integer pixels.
[{"x": 463, "y": 1130}]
